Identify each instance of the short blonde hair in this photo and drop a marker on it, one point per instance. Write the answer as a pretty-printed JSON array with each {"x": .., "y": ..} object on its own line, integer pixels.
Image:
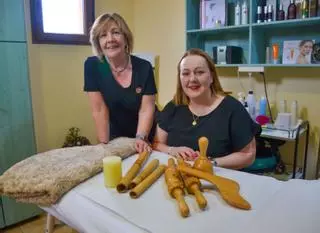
[
  {"x": 105, "y": 20},
  {"x": 180, "y": 98}
]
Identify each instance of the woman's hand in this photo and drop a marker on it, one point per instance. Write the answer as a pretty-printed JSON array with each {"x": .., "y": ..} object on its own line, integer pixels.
[
  {"x": 183, "y": 152},
  {"x": 142, "y": 145}
]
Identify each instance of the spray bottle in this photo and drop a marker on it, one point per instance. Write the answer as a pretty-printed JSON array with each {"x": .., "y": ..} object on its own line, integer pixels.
[{"x": 251, "y": 101}]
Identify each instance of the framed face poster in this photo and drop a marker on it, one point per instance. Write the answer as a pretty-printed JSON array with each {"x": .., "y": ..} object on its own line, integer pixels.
[
  {"x": 212, "y": 13},
  {"x": 297, "y": 51}
]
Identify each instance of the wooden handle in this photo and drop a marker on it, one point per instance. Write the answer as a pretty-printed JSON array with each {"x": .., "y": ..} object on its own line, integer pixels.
[
  {"x": 201, "y": 200},
  {"x": 203, "y": 146},
  {"x": 183, "y": 207},
  {"x": 193, "y": 186},
  {"x": 228, "y": 188}
]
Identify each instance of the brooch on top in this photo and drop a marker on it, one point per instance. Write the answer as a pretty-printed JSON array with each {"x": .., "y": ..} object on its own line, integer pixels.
[{"x": 138, "y": 90}]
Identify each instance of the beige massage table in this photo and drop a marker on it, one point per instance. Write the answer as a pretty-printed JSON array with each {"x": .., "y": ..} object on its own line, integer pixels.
[{"x": 286, "y": 207}]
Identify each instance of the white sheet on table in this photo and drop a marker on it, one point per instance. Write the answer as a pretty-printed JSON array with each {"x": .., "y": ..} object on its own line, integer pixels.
[
  {"x": 294, "y": 208},
  {"x": 92, "y": 208}
]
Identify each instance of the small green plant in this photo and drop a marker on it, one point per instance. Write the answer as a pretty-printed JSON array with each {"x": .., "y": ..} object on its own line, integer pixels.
[{"x": 73, "y": 138}]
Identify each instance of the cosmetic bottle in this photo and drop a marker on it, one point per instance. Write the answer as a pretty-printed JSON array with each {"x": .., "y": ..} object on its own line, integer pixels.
[
  {"x": 251, "y": 101},
  {"x": 313, "y": 4},
  {"x": 259, "y": 15},
  {"x": 275, "y": 53},
  {"x": 282, "y": 106},
  {"x": 292, "y": 10},
  {"x": 265, "y": 14},
  {"x": 305, "y": 9},
  {"x": 270, "y": 13},
  {"x": 263, "y": 106},
  {"x": 268, "y": 55},
  {"x": 280, "y": 13},
  {"x": 244, "y": 13},
  {"x": 237, "y": 12}
]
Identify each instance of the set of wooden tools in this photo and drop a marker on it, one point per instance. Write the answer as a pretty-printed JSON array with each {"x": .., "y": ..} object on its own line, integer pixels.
[{"x": 179, "y": 177}]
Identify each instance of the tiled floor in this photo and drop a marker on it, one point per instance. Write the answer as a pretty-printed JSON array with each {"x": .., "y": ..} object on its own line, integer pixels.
[{"x": 36, "y": 225}]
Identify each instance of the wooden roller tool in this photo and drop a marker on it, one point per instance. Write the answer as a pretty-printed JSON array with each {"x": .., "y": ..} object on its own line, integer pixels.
[
  {"x": 150, "y": 167},
  {"x": 228, "y": 188},
  {"x": 138, "y": 190},
  {"x": 132, "y": 172},
  {"x": 193, "y": 185},
  {"x": 176, "y": 187},
  {"x": 202, "y": 162}
]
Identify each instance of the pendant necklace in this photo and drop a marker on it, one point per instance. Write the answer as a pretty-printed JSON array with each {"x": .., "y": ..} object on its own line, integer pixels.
[{"x": 195, "y": 118}]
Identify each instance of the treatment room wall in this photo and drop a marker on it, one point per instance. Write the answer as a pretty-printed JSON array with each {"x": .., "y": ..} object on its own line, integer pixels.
[
  {"x": 56, "y": 75},
  {"x": 160, "y": 28}
]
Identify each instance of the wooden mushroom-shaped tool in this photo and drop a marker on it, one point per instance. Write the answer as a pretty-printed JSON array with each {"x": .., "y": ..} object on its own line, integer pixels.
[
  {"x": 202, "y": 162},
  {"x": 176, "y": 187},
  {"x": 229, "y": 189},
  {"x": 193, "y": 185}
]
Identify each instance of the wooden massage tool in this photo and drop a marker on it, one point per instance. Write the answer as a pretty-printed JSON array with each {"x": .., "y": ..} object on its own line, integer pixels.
[
  {"x": 153, "y": 175},
  {"x": 228, "y": 188},
  {"x": 176, "y": 187},
  {"x": 150, "y": 167},
  {"x": 132, "y": 172},
  {"x": 193, "y": 185},
  {"x": 202, "y": 162},
  {"x": 202, "y": 169}
]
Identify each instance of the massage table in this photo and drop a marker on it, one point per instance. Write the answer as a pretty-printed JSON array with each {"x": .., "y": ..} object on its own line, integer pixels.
[{"x": 277, "y": 206}]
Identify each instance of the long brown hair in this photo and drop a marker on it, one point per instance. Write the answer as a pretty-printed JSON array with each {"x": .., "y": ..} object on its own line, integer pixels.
[{"x": 180, "y": 98}]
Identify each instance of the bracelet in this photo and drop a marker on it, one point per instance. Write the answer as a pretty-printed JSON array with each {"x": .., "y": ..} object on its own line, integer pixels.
[
  {"x": 141, "y": 136},
  {"x": 215, "y": 163}
]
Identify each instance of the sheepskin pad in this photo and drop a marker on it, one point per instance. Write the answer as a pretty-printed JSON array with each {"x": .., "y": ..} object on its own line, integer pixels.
[{"x": 43, "y": 178}]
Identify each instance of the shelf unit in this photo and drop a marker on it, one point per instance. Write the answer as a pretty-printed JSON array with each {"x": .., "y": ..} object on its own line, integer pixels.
[{"x": 253, "y": 37}]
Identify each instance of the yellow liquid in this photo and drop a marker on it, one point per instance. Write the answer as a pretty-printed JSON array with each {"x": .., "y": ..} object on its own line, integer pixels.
[{"x": 112, "y": 171}]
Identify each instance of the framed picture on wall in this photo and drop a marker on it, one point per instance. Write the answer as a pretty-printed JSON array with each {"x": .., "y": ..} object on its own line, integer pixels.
[
  {"x": 297, "y": 51},
  {"x": 212, "y": 13}
]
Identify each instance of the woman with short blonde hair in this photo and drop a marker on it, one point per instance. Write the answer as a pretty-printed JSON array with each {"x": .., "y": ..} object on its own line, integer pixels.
[
  {"x": 104, "y": 21},
  {"x": 121, "y": 87}
]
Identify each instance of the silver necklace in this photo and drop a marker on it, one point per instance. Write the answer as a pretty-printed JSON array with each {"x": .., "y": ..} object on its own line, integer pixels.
[{"x": 121, "y": 70}]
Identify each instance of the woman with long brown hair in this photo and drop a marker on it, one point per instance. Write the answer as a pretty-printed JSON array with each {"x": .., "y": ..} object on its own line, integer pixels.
[{"x": 200, "y": 108}]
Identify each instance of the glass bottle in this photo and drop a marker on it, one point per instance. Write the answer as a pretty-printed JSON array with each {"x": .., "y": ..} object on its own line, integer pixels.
[
  {"x": 280, "y": 13},
  {"x": 305, "y": 9},
  {"x": 292, "y": 10}
]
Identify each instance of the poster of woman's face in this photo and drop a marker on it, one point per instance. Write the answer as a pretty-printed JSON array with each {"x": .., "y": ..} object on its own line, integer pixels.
[{"x": 297, "y": 51}]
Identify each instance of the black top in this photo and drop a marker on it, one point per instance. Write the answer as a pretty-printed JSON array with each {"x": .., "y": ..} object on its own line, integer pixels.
[
  {"x": 123, "y": 103},
  {"x": 228, "y": 128}
]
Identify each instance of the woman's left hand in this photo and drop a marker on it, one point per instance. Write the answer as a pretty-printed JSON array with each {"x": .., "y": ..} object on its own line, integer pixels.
[{"x": 142, "y": 145}]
